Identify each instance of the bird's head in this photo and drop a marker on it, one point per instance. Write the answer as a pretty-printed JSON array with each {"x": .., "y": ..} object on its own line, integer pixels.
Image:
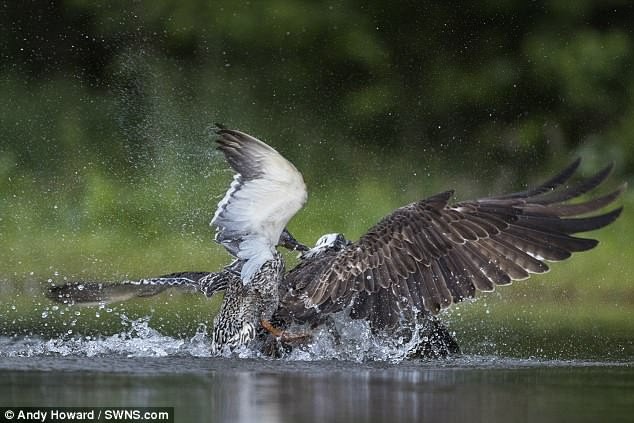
[{"x": 327, "y": 242}]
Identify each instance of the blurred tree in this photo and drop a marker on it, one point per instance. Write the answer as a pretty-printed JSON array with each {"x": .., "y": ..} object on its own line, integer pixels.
[{"x": 497, "y": 80}]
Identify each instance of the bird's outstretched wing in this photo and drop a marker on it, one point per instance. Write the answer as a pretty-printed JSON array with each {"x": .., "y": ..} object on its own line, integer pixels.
[
  {"x": 266, "y": 192},
  {"x": 429, "y": 254},
  {"x": 93, "y": 293}
]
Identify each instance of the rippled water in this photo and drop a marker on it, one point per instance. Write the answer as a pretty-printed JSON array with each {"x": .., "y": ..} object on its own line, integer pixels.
[
  {"x": 141, "y": 367},
  {"x": 248, "y": 390}
]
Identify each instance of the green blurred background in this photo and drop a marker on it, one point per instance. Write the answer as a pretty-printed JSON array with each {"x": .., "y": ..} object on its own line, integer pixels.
[{"x": 108, "y": 172}]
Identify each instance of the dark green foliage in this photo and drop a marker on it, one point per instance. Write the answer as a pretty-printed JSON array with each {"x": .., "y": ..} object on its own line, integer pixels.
[{"x": 501, "y": 81}]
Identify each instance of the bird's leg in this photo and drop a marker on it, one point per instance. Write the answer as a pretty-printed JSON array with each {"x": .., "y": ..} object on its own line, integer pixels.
[
  {"x": 284, "y": 336},
  {"x": 268, "y": 326}
]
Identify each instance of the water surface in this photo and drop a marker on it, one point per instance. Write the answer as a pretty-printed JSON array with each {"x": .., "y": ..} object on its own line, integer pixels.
[{"x": 467, "y": 388}]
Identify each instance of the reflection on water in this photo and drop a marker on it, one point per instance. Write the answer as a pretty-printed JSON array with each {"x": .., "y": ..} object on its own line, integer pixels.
[{"x": 201, "y": 389}]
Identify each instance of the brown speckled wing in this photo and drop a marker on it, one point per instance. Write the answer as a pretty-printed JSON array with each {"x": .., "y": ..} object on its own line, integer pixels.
[{"x": 430, "y": 254}]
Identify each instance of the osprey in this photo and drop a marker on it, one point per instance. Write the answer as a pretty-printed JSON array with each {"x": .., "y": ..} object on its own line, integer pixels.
[{"x": 417, "y": 261}]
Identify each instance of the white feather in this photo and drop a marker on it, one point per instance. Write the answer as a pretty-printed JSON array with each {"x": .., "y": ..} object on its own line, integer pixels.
[{"x": 253, "y": 213}]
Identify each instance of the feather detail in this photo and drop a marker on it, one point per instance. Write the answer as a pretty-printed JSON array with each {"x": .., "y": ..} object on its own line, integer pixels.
[
  {"x": 264, "y": 195},
  {"x": 429, "y": 254}
]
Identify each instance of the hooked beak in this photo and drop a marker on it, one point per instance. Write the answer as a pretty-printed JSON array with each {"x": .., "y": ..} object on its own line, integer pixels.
[{"x": 290, "y": 243}]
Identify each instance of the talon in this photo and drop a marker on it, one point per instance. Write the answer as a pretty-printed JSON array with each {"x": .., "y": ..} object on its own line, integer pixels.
[
  {"x": 268, "y": 326},
  {"x": 283, "y": 335}
]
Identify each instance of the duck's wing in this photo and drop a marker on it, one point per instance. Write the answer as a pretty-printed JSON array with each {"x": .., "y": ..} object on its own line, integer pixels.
[
  {"x": 429, "y": 254},
  {"x": 266, "y": 192},
  {"x": 93, "y": 293}
]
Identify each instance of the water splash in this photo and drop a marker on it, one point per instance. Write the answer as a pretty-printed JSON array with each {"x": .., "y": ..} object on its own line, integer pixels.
[
  {"x": 353, "y": 340},
  {"x": 347, "y": 340},
  {"x": 138, "y": 340}
]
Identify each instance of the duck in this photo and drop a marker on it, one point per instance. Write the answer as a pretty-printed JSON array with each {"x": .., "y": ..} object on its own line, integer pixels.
[{"x": 417, "y": 261}]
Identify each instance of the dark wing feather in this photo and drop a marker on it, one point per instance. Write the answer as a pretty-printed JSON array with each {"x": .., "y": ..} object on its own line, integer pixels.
[
  {"x": 92, "y": 293},
  {"x": 429, "y": 254}
]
